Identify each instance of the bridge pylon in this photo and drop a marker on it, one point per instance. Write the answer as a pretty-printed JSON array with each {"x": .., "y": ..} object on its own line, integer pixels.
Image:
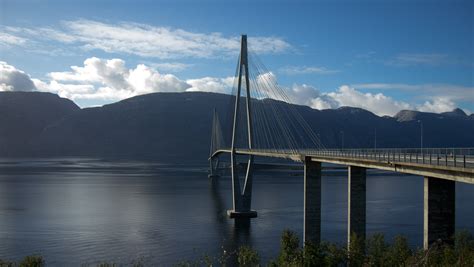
[
  {"x": 216, "y": 140},
  {"x": 242, "y": 197}
]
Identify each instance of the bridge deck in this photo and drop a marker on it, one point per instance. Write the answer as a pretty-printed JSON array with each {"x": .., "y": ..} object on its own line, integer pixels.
[{"x": 447, "y": 165}]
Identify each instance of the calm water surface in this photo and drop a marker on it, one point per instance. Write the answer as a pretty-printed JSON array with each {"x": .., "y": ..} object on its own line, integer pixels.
[{"x": 85, "y": 211}]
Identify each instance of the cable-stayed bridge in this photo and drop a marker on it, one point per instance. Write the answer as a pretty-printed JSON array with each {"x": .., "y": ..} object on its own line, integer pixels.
[{"x": 262, "y": 124}]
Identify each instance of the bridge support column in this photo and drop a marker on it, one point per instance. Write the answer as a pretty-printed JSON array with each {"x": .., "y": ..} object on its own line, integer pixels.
[
  {"x": 356, "y": 206},
  {"x": 439, "y": 211},
  {"x": 312, "y": 202},
  {"x": 242, "y": 198},
  {"x": 213, "y": 168}
]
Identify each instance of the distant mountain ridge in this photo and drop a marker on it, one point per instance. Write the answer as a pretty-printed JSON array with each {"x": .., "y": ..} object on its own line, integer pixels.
[
  {"x": 410, "y": 115},
  {"x": 177, "y": 126}
]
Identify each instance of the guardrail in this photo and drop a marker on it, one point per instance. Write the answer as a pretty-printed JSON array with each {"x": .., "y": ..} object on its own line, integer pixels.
[
  {"x": 455, "y": 157},
  {"x": 452, "y": 157}
]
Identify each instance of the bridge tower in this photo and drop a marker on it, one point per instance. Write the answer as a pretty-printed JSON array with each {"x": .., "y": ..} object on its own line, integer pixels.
[
  {"x": 242, "y": 196},
  {"x": 216, "y": 143}
]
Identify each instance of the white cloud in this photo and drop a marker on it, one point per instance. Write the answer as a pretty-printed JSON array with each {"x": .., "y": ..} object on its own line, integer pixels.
[
  {"x": 13, "y": 79},
  {"x": 211, "y": 84},
  {"x": 441, "y": 97},
  {"x": 303, "y": 94},
  {"x": 454, "y": 92},
  {"x": 7, "y": 39},
  {"x": 107, "y": 80},
  {"x": 95, "y": 70},
  {"x": 377, "y": 103},
  {"x": 148, "y": 41},
  {"x": 437, "y": 105},
  {"x": 344, "y": 96},
  {"x": 110, "y": 80},
  {"x": 293, "y": 70},
  {"x": 310, "y": 96},
  {"x": 170, "y": 66},
  {"x": 144, "y": 79},
  {"x": 323, "y": 103}
]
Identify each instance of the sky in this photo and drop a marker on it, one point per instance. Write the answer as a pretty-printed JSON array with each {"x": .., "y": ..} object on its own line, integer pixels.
[{"x": 384, "y": 56}]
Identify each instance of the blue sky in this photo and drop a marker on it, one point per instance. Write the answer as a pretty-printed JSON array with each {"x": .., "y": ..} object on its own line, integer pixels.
[{"x": 380, "y": 55}]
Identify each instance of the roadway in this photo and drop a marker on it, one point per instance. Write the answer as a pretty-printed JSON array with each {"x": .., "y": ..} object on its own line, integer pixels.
[{"x": 453, "y": 164}]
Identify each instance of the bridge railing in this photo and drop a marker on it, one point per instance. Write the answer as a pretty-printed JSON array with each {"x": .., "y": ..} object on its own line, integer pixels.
[{"x": 455, "y": 157}]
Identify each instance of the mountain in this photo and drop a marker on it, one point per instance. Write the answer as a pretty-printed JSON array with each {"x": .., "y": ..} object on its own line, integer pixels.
[
  {"x": 411, "y": 115},
  {"x": 177, "y": 126},
  {"x": 457, "y": 112},
  {"x": 25, "y": 115},
  {"x": 167, "y": 126}
]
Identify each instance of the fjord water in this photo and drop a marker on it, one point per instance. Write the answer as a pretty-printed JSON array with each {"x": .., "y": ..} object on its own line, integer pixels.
[{"x": 85, "y": 211}]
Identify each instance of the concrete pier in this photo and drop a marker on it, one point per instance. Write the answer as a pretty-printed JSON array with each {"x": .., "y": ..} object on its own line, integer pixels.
[
  {"x": 312, "y": 201},
  {"x": 439, "y": 211},
  {"x": 356, "y": 197},
  {"x": 213, "y": 168},
  {"x": 233, "y": 214},
  {"x": 242, "y": 201}
]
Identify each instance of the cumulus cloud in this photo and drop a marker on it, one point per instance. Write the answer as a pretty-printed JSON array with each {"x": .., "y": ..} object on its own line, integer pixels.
[
  {"x": 146, "y": 40},
  {"x": 310, "y": 96},
  {"x": 437, "y": 105},
  {"x": 303, "y": 94},
  {"x": 211, "y": 84},
  {"x": 453, "y": 92},
  {"x": 13, "y": 79},
  {"x": 377, "y": 103},
  {"x": 144, "y": 79},
  {"x": 101, "y": 81},
  {"x": 345, "y": 96},
  {"x": 106, "y": 80},
  {"x": 171, "y": 66},
  {"x": 110, "y": 79}
]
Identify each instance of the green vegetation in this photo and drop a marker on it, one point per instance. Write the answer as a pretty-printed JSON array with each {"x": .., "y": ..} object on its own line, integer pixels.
[
  {"x": 247, "y": 257},
  {"x": 28, "y": 261},
  {"x": 375, "y": 251}
]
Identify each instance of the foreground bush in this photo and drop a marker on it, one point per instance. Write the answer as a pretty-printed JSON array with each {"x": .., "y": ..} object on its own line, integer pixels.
[
  {"x": 375, "y": 251},
  {"x": 28, "y": 261},
  {"x": 247, "y": 257}
]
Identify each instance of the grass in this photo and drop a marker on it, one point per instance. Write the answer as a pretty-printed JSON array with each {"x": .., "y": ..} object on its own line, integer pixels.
[{"x": 375, "y": 251}]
